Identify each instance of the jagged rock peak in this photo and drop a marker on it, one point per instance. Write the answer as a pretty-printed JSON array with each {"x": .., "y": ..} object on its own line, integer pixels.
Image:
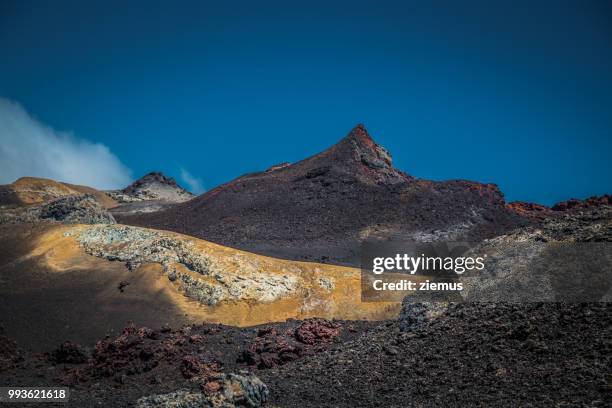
[
  {"x": 360, "y": 146},
  {"x": 152, "y": 186},
  {"x": 152, "y": 177},
  {"x": 361, "y": 156},
  {"x": 360, "y": 134}
]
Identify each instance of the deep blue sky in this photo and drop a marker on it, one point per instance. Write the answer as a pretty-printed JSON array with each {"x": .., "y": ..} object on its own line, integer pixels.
[{"x": 516, "y": 93}]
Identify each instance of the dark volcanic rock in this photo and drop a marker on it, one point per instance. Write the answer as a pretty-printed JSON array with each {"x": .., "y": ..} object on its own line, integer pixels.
[
  {"x": 69, "y": 353},
  {"x": 322, "y": 207},
  {"x": 591, "y": 202},
  {"x": 9, "y": 352},
  {"x": 541, "y": 212},
  {"x": 493, "y": 355}
]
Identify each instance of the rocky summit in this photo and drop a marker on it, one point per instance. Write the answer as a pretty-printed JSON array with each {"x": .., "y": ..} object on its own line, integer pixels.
[
  {"x": 323, "y": 207},
  {"x": 152, "y": 186},
  {"x": 152, "y": 192}
]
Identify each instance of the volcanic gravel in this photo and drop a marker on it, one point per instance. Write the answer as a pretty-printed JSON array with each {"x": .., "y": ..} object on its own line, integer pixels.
[
  {"x": 139, "y": 362},
  {"x": 506, "y": 355},
  {"x": 509, "y": 355}
]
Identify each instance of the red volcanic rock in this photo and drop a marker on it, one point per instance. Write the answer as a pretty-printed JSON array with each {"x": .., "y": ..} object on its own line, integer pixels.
[
  {"x": 489, "y": 191},
  {"x": 269, "y": 349},
  {"x": 125, "y": 354},
  {"x": 211, "y": 387},
  {"x": 530, "y": 210},
  {"x": 200, "y": 367},
  {"x": 591, "y": 202},
  {"x": 315, "y": 331}
]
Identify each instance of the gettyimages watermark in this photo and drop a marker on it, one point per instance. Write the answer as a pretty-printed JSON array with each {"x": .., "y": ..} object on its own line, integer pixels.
[{"x": 463, "y": 271}]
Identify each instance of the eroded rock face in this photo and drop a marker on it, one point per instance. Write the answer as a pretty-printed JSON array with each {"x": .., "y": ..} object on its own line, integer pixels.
[
  {"x": 206, "y": 279},
  {"x": 72, "y": 209},
  {"x": 234, "y": 391}
]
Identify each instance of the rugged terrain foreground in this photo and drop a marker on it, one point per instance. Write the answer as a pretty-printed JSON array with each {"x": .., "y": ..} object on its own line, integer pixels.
[{"x": 132, "y": 316}]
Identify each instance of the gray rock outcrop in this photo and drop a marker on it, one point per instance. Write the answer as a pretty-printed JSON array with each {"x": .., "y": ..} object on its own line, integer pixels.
[
  {"x": 72, "y": 209},
  {"x": 236, "y": 391}
]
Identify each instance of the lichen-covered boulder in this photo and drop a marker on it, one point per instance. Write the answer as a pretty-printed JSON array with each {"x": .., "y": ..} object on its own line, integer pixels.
[{"x": 233, "y": 391}]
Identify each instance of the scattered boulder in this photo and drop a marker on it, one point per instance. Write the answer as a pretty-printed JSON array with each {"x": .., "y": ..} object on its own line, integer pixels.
[{"x": 122, "y": 285}]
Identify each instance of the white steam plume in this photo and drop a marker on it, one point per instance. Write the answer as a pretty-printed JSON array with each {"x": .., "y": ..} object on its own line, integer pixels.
[
  {"x": 30, "y": 148},
  {"x": 194, "y": 184}
]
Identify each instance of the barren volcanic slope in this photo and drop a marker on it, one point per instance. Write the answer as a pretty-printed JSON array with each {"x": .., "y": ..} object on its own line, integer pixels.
[
  {"x": 322, "y": 207},
  {"x": 35, "y": 190}
]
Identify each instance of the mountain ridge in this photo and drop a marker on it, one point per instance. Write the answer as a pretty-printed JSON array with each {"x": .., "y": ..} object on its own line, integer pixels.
[{"x": 322, "y": 207}]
